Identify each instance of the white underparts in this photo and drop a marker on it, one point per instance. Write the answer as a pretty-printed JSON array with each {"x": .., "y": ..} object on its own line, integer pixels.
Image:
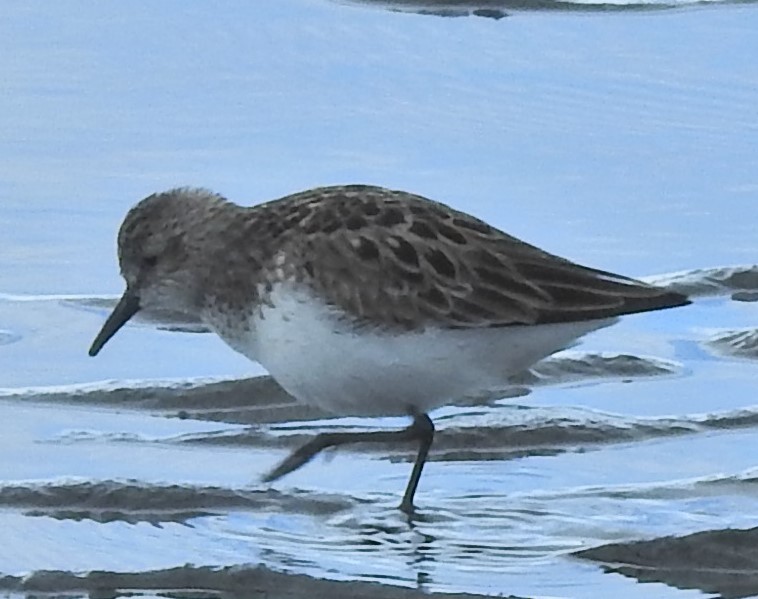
[{"x": 322, "y": 360}]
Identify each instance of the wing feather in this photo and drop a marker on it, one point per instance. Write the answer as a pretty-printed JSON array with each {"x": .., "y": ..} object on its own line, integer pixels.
[{"x": 402, "y": 260}]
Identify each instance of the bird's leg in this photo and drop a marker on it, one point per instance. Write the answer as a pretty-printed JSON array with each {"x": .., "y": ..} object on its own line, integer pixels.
[{"x": 421, "y": 430}]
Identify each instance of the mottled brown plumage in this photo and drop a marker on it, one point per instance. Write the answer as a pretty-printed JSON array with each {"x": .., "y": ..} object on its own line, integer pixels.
[
  {"x": 398, "y": 259},
  {"x": 386, "y": 258}
]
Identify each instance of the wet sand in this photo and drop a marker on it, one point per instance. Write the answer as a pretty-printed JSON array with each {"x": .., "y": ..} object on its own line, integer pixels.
[
  {"x": 254, "y": 419},
  {"x": 724, "y": 562},
  {"x": 230, "y": 582},
  {"x": 625, "y": 139}
]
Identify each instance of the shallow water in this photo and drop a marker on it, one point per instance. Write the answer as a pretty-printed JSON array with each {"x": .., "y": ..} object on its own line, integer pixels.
[{"x": 623, "y": 138}]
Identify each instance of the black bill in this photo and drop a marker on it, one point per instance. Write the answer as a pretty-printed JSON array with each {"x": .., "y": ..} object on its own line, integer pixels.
[{"x": 127, "y": 306}]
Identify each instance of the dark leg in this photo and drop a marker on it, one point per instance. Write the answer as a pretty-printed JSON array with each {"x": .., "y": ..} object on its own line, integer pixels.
[
  {"x": 421, "y": 430},
  {"x": 424, "y": 432}
]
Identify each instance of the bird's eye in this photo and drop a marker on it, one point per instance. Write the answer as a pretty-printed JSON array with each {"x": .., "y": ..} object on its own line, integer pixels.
[{"x": 149, "y": 261}]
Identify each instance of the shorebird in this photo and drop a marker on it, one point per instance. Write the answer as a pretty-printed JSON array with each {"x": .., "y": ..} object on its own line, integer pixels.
[{"x": 365, "y": 301}]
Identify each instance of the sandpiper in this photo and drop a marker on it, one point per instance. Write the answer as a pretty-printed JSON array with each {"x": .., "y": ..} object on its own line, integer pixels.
[{"x": 365, "y": 301}]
